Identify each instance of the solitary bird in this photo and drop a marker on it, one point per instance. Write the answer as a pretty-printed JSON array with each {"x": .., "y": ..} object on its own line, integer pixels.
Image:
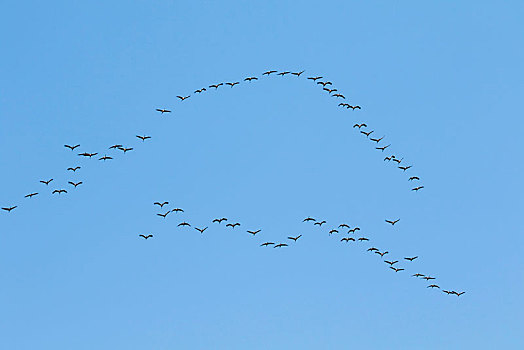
[
  {"x": 71, "y": 147},
  {"x": 182, "y": 98},
  {"x": 145, "y": 237},
  {"x": 104, "y": 158},
  {"x": 143, "y": 138},
  {"x": 59, "y": 191},
  {"x": 220, "y": 220},
  {"x": 216, "y": 85},
  {"x": 254, "y": 232},
  {"x": 280, "y": 245},
  {"x": 30, "y": 195},
  {"x": 250, "y": 78},
  {"x": 413, "y": 178},
  {"x": 382, "y": 148},
  {"x": 359, "y": 125},
  {"x": 411, "y": 259},
  {"x": 265, "y": 244},
  {"x": 74, "y": 169},
  {"x": 233, "y": 84},
  {"x": 184, "y": 224},
  {"x": 396, "y": 270},
  {"x": 46, "y": 182},
  {"x": 269, "y": 72},
  {"x": 8, "y": 209},
  {"x": 75, "y": 184},
  {"x": 392, "y": 222},
  {"x": 233, "y": 225},
  {"x": 417, "y": 188},
  {"x": 320, "y": 223},
  {"x": 163, "y": 110},
  {"x": 201, "y": 230},
  {"x": 199, "y": 91},
  {"x": 295, "y": 238},
  {"x": 160, "y": 204}
]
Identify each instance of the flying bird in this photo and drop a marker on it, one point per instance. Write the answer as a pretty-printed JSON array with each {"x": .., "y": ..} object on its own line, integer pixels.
[
  {"x": 355, "y": 107},
  {"x": 75, "y": 184},
  {"x": 72, "y": 147},
  {"x": 46, "y": 182},
  {"x": 411, "y": 259},
  {"x": 404, "y": 168},
  {"x": 233, "y": 84},
  {"x": 388, "y": 159},
  {"x": 163, "y": 110},
  {"x": 308, "y": 219},
  {"x": 104, "y": 158},
  {"x": 367, "y": 133},
  {"x": 161, "y": 204},
  {"x": 427, "y": 278},
  {"x": 382, "y": 253},
  {"x": 125, "y": 149},
  {"x": 382, "y": 148},
  {"x": 391, "y": 262},
  {"x": 398, "y": 160},
  {"x": 333, "y": 231},
  {"x": 199, "y": 91},
  {"x": 143, "y": 138},
  {"x": 413, "y": 178},
  {"x": 8, "y": 209},
  {"x": 201, "y": 230},
  {"x": 31, "y": 195},
  {"x": 182, "y": 98},
  {"x": 339, "y": 95},
  {"x": 85, "y": 154},
  {"x": 74, "y": 169},
  {"x": 216, "y": 85},
  {"x": 280, "y": 245},
  {"x": 396, "y": 270},
  {"x": 265, "y": 244},
  {"x": 320, "y": 223},
  {"x": 417, "y": 188},
  {"x": 183, "y": 224},
  {"x": 418, "y": 275},
  {"x": 377, "y": 140},
  {"x": 373, "y": 249},
  {"x": 392, "y": 222},
  {"x": 145, "y": 237},
  {"x": 295, "y": 238},
  {"x": 363, "y": 239},
  {"x": 283, "y": 73},
  {"x": 446, "y": 291},
  {"x": 343, "y": 225},
  {"x": 433, "y": 286},
  {"x": 269, "y": 72},
  {"x": 354, "y": 229},
  {"x": 347, "y": 239},
  {"x": 457, "y": 294},
  {"x": 233, "y": 225},
  {"x": 116, "y": 146},
  {"x": 314, "y": 78},
  {"x": 250, "y": 78},
  {"x": 220, "y": 220},
  {"x": 176, "y": 210},
  {"x": 165, "y": 214},
  {"x": 297, "y": 73},
  {"x": 324, "y": 83},
  {"x": 359, "y": 125},
  {"x": 59, "y": 191},
  {"x": 331, "y": 91},
  {"x": 254, "y": 232}
]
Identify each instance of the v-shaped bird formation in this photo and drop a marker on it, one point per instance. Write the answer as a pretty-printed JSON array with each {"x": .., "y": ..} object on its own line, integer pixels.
[{"x": 348, "y": 232}]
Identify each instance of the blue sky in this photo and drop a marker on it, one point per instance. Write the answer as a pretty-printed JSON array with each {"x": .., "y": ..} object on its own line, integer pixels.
[{"x": 442, "y": 81}]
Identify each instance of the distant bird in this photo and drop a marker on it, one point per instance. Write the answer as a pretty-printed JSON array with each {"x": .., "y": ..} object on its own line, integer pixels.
[
  {"x": 251, "y": 78},
  {"x": 396, "y": 270},
  {"x": 184, "y": 224},
  {"x": 182, "y": 98},
  {"x": 411, "y": 259},
  {"x": 372, "y": 249},
  {"x": 280, "y": 245},
  {"x": 418, "y": 275},
  {"x": 199, "y": 91},
  {"x": 457, "y": 294},
  {"x": 165, "y": 214},
  {"x": 347, "y": 239},
  {"x": 85, "y": 154},
  {"x": 269, "y": 72},
  {"x": 125, "y": 150},
  {"x": 427, "y": 278},
  {"x": 333, "y": 231},
  {"x": 359, "y": 125},
  {"x": 376, "y": 140},
  {"x": 314, "y": 78},
  {"x": 355, "y": 107},
  {"x": 363, "y": 239},
  {"x": 339, "y": 95},
  {"x": 413, "y": 178},
  {"x": 163, "y": 110},
  {"x": 391, "y": 262},
  {"x": 220, "y": 220},
  {"x": 116, "y": 146},
  {"x": 382, "y": 253},
  {"x": 75, "y": 184},
  {"x": 367, "y": 133},
  {"x": 104, "y": 158},
  {"x": 233, "y": 225},
  {"x": 283, "y": 73},
  {"x": 404, "y": 168},
  {"x": 392, "y": 222},
  {"x": 382, "y": 148},
  {"x": 145, "y": 237},
  {"x": 331, "y": 91},
  {"x": 417, "y": 188},
  {"x": 233, "y": 84},
  {"x": 201, "y": 230},
  {"x": 72, "y": 147},
  {"x": 265, "y": 244},
  {"x": 297, "y": 73},
  {"x": 254, "y": 232},
  {"x": 433, "y": 286},
  {"x": 8, "y": 209},
  {"x": 308, "y": 219},
  {"x": 143, "y": 138},
  {"x": 31, "y": 195},
  {"x": 295, "y": 238},
  {"x": 324, "y": 83},
  {"x": 74, "y": 169},
  {"x": 446, "y": 291},
  {"x": 320, "y": 223},
  {"x": 353, "y": 230},
  {"x": 59, "y": 191},
  {"x": 216, "y": 85},
  {"x": 343, "y": 225},
  {"x": 46, "y": 182},
  {"x": 176, "y": 210},
  {"x": 160, "y": 204},
  {"x": 398, "y": 160},
  {"x": 388, "y": 159}
]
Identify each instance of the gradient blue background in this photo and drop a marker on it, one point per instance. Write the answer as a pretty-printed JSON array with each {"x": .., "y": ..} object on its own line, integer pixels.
[{"x": 442, "y": 81}]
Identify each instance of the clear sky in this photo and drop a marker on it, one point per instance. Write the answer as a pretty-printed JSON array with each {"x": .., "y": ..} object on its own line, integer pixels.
[{"x": 442, "y": 81}]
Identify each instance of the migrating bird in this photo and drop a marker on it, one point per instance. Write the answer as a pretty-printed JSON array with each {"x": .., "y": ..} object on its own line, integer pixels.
[
  {"x": 343, "y": 225},
  {"x": 85, "y": 154},
  {"x": 404, "y": 168},
  {"x": 104, "y": 158},
  {"x": 382, "y": 148},
  {"x": 363, "y": 239},
  {"x": 164, "y": 215},
  {"x": 280, "y": 245},
  {"x": 233, "y": 225},
  {"x": 176, "y": 210},
  {"x": 418, "y": 275},
  {"x": 320, "y": 223},
  {"x": 295, "y": 238},
  {"x": 392, "y": 222},
  {"x": 457, "y": 294},
  {"x": 143, "y": 138},
  {"x": 265, "y": 244},
  {"x": 324, "y": 83},
  {"x": 216, "y": 85},
  {"x": 199, "y": 91},
  {"x": 354, "y": 107},
  {"x": 396, "y": 270},
  {"x": 283, "y": 73},
  {"x": 411, "y": 259},
  {"x": 367, "y": 133},
  {"x": 347, "y": 239},
  {"x": 72, "y": 147},
  {"x": 377, "y": 140},
  {"x": 233, "y": 84},
  {"x": 75, "y": 184},
  {"x": 125, "y": 149},
  {"x": 254, "y": 232},
  {"x": 183, "y": 224},
  {"x": 339, "y": 95},
  {"x": 31, "y": 195},
  {"x": 413, "y": 178},
  {"x": 182, "y": 98},
  {"x": 74, "y": 169},
  {"x": 145, "y": 237},
  {"x": 333, "y": 90},
  {"x": 220, "y": 220},
  {"x": 354, "y": 229},
  {"x": 398, "y": 160},
  {"x": 297, "y": 73},
  {"x": 116, "y": 146},
  {"x": 161, "y": 204},
  {"x": 359, "y": 125},
  {"x": 308, "y": 219},
  {"x": 269, "y": 72},
  {"x": 372, "y": 249},
  {"x": 8, "y": 209},
  {"x": 382, "y": 253},
  {"x": 59, "y": 191},
  {"x": 314, "y": 78},
  {"x": 201, "y": 230},
  {"x": 417, "y": 188},
  {"x": 427, "y": 278},
  {"x": 163, "y": 110},
  {"x": 391, "y": 262},
  {"x": 46, "y": 182},
  {"x": 250, "y": 78},
  {"x": 333, "y": 231},
  {"x": 433, "y": 286}
]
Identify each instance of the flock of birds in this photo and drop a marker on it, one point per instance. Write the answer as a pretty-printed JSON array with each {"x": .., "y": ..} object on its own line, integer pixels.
[{"x": 327, "y": 86}]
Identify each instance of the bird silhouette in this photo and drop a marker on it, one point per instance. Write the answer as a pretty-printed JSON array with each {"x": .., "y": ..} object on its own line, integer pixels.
[
  {"x": 314, "y": 78},
  {"x": 433, "y": 286},
  {"x": 104, "y": 158},
  {"x": 359, "y": 125},
  {"x": 31, "y": 195},
  {"x": 353, "y": 230},
  {"x": 388, "y": 159},
  {"x": 145, "y": 237},
  {"x": 392, "y": 222},
  {"x": 367, "y": 133},
  {"x": 201, "y": 230},
  {"x": 343, "y": 225},
  {"x": 411, "y": 259},
  {"x": 382, "y": 148},
  {"x": 160, "y": 204},
  {"x": 308, "y": 219},
  {"x": 404, "y": 168},
  {"x": 73, "y": 169},
  {"x": 269, "y": 72},
  {"x": 418, "y": 275},
  {"x": 72, "y": 147},
  {"x": 9, "y": 209},
  {"x": 85, "y": 154},
  {"x": 46, "y": 182},
  {"x": 143, "y": 138},
  {"x": 199, "y": 91},
  {"x": 398, "y": 160},
  {"x": 339, "y": 96},
  {"x": 333, "y": 231},
  {"x": 324, "y": 83},
  {"x": 163, "y": 110},
  {"x": 320, "y": 223},
  {"x": 182, "y": 98},
  {"x": 125, "y": 150},
  {"x": 297, "y": 73},
  {"x": 176, "y": 210},
  {"x": 373, "y": 249},
  {"x": 355, "y": 107},
  {"x": 294, "y": 238},
  {"x": 283, "y": 73},
  {"x": 233, "y": 225},
  {"x": 184, "y": 224},
  {"x": 280, "y": 245},
  {"x": 233, "y": 84},
  {"x": 165, "y": 214},
  {"x": 427, "y": 278},
  {"x": 116, "y": 146},
  {"x": 265, "y": 244},
  {"x": 382, "y": 253},
  {"x": 376, "y": 140},
  {"x": 254, "y": 232},
  {"x": 396, "y": 270},
  {"x": 59, "y": 191},
  {"x": 417, "y": 188},
  {"x": 220, "y": 220},
  {"x": 413, "y": 178},
  {"x": 250, "y": 78},
  {"x": 361, "y": 239},
  {"x": 75, "y": 184},
  {"x": 391, "y": 262},
  {"x": 457, "y": 294},
  {"x": 347, "y": 239}
]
